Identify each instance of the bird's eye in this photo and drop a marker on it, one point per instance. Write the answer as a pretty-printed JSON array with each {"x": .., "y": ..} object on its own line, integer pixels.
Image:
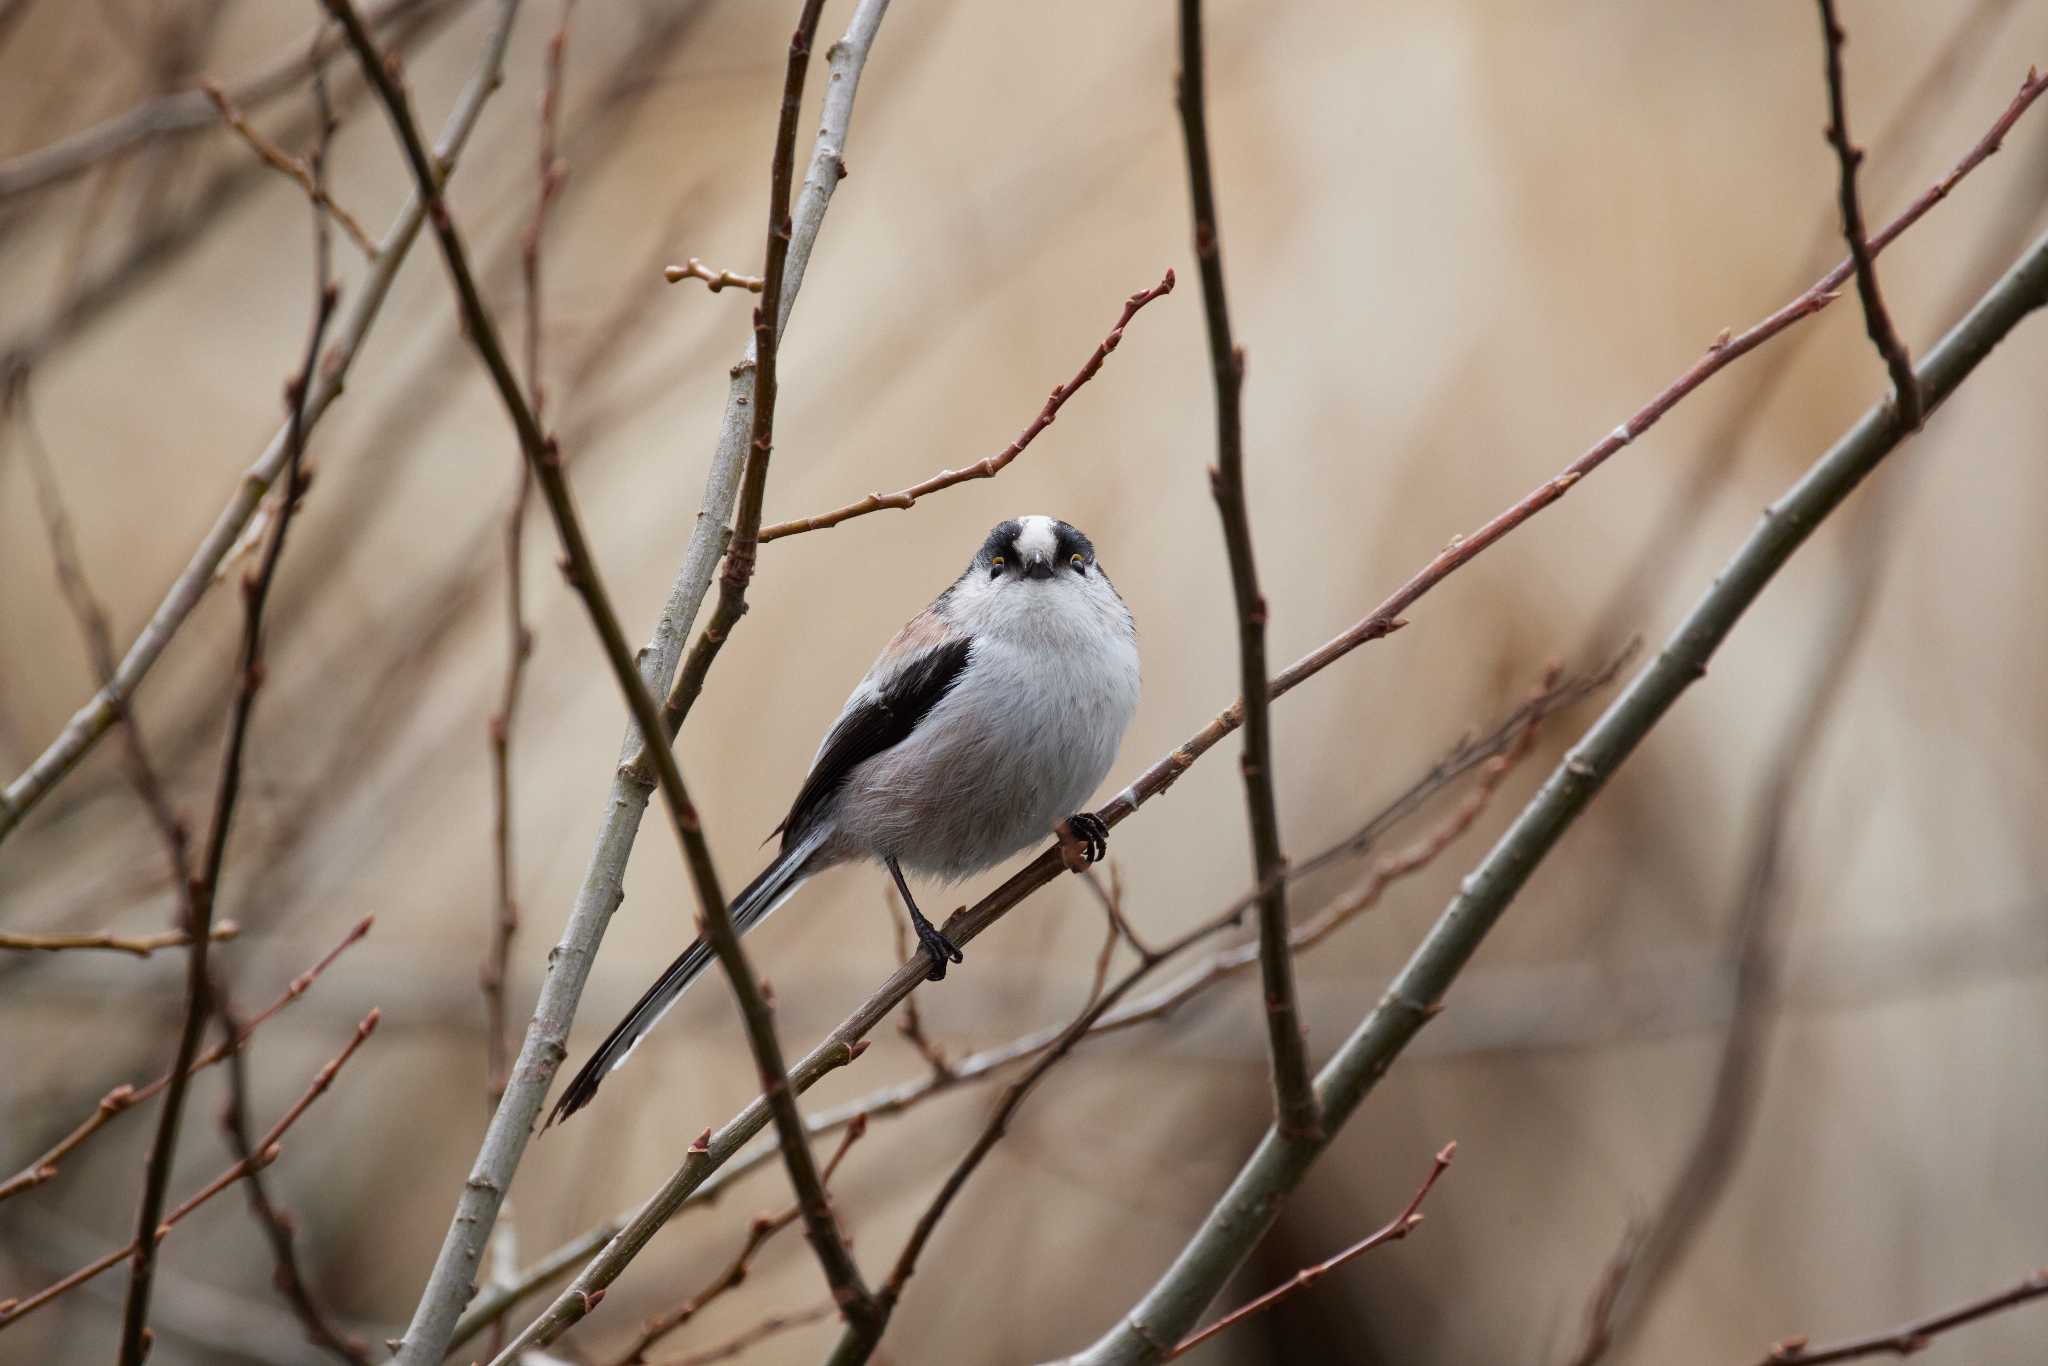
[
  {"x": 1080, "y": 563},
  {"x": 995, "y": 566}
]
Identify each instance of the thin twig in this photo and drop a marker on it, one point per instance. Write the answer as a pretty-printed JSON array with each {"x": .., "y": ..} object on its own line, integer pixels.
[
  {"x": 105, "y": 707},
  {"x": 1392, "y": 1232},
  {"x": 142, "y": 945},
  {"x": 767, "y": 1328},
  {"x": 265, "y": 1152},
  {"x": 1914, "y": 1337},
  {"x": 278, "y": 1226},
  {"x": 249, "y": 680},
  {"x": 293, "y": 168},
  {"x": 1415, "y": 996},
  {"x": 126, "y": 1097},
  {"x": 1294, "y": 1101},
  {"x": 991, "y": 466},
  {"x": 714, "y": 280},
  {"x": 1876, "y": 319},
  {"x": 760, "y": 1230},
  {"x": 860, "y": 1338}
]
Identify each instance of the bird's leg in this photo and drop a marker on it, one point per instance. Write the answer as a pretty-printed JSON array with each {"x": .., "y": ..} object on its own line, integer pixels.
[
  {"x": 1084, "y": 839},
  {"x": 937, "y": 947}
]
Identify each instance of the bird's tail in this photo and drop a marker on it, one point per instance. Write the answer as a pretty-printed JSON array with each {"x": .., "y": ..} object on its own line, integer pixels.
[{"x": 749, "y": 908}]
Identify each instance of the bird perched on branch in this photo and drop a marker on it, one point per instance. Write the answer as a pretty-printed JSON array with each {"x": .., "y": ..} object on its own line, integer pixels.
[{"x": 985, "y": 724}]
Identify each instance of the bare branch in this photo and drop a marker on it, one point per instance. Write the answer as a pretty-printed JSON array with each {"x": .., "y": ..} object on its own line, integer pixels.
[
  {"x": 141, "y": 945},
  {"x": 126, "y": 1097},
  {"x": 199, "y": 903},
  {"x": 759, "y": 1231},
  {"x": 1392, "y": 1232},
  {"x": 1294, "y": 1100},
  {"x": 293, "y": 168},
  {"x": 759, "y": 1333},
  {"x": 861, "y": 1336},
  {"x": 993, "y": 465},
  {"x": 1905, "y": 1342},
  {"x": 1876, "y": 319},
  {"x": 277, "y": 1225},
  {"x": 715, "y": 280},
  {"x": 266, "y": 1152}
]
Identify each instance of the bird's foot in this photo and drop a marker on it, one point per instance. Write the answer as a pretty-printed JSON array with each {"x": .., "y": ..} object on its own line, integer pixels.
[
  {"x": 1084, "y": 839},
  {"x": 938, "y": 948}
]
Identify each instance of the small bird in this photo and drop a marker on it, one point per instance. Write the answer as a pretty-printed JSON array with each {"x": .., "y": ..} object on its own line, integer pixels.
[{"x": 983, "y": 726}]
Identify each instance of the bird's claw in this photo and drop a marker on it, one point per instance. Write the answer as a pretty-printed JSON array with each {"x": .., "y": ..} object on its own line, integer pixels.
[
  {"x": 1084, "y": 839},
  {"x": 939, "y": 949}
]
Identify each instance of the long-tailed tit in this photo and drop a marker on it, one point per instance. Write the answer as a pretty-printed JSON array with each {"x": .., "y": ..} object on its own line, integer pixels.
[{"x": 985, "y": 724}]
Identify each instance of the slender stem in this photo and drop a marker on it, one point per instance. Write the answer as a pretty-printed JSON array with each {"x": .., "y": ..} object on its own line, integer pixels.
[
  {"x": 1907, "y": 1341},
  {"x": 981, "y": 469},
  {"x": 1293, "y": 1098},
  {"x": 1392, "y": 1231},
  {"x": 1876, "y": 319},
  {"x": 205, "y": 887}
]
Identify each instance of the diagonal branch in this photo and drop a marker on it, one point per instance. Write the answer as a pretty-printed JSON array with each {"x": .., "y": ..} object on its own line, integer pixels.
[
  {"x": 981, "y": 469},
  {"x": 266, "y": 1152},
  {"x": 1253, "y": 1200},
  {"x": 205, "y": 887},
  {"x": 126, "y": 1097},
  {"x": 1914, "y": 1337},
  {"x": 1294, "y": 1100},
  {"x": 1393, "y": 1231},
  {"x": 1876, "y": 319}
]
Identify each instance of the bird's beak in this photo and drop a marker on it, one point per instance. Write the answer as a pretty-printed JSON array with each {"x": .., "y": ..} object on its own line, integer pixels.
[{"x": 1038, "y": 567}]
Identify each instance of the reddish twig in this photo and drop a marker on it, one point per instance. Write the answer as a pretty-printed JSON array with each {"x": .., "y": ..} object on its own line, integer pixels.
[
  {"x": 759, "y": 1333},
  {"x": 278, "y": 1227},
  {"x": 861, "y": 1337},
  {"x": 1904, "y": 1342},
  {"x": 265, "y": 1152},
  {"x": 759, "y": 1231},
  {"x": 1876, "y": 319},
  {"x": 294, "y": 168},
  {"x": 1294, "y": 1097},
  {"x": 199, "y": 910},
  {"x": 994, "y": 464},
  {"x": 714, "y": 280},
  {"x": 126, "y": 1097},
  {"x": 142, "y": 946},
  {"x": 1394, "y": 1231}
]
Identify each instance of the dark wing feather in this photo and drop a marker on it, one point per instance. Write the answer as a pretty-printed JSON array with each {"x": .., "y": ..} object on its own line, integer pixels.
[{"x": 879, "y": 722}]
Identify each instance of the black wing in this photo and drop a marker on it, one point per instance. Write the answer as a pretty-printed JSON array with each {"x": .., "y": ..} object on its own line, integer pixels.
[{"x": 879, "y": 723}]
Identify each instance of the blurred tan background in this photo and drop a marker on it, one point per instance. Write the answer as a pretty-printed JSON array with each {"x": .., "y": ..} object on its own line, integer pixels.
[{"x": 1464, "y": 241}]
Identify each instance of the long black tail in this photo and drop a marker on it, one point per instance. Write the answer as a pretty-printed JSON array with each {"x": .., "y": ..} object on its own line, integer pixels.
[{"x": 749, "y": 909}]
